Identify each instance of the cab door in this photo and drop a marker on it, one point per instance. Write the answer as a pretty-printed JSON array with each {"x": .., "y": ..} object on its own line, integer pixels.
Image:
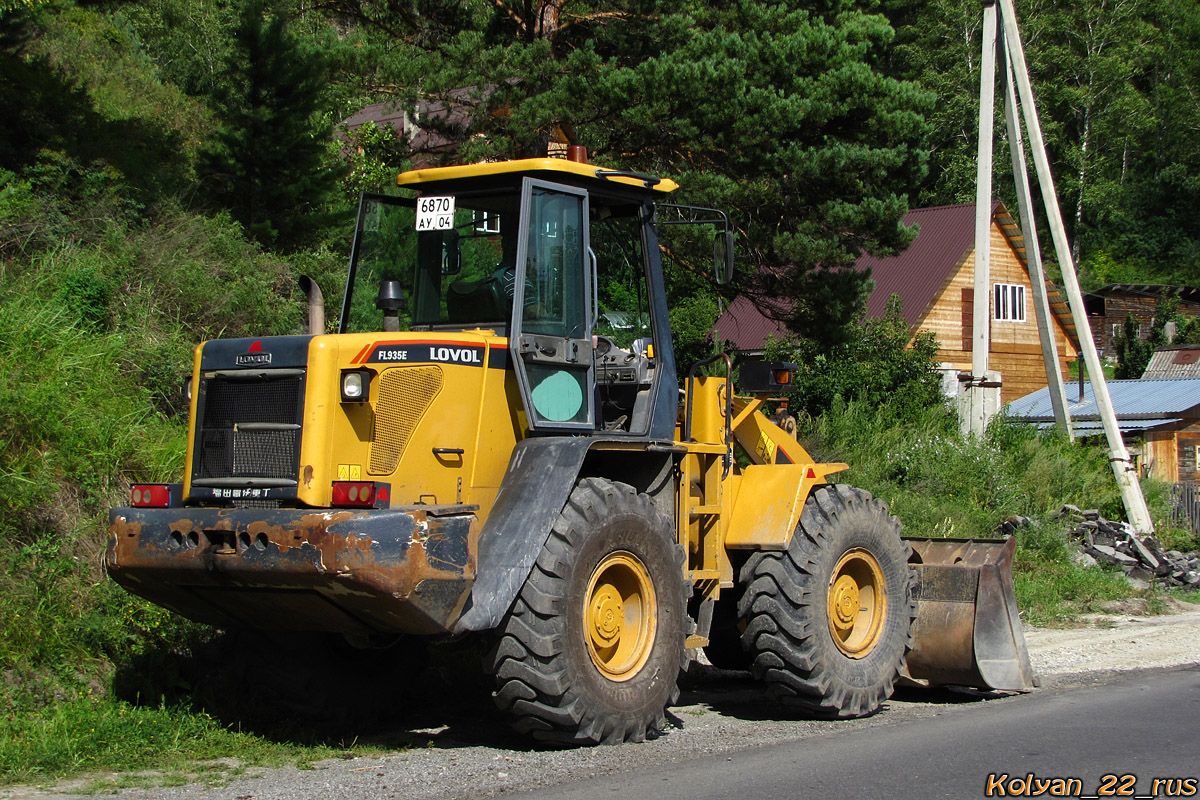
[{"x": 553, "y": 309}]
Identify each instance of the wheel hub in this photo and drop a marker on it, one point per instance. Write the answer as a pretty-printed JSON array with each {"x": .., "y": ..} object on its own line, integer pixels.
[
  {"x": 845, "y": 602},
  {"x": 608, "y": 613},
  {"x": 857, "y": 603},
  {"x": 620, "y": 616}
]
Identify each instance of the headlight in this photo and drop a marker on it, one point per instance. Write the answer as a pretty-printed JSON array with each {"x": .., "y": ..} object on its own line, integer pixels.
[{"x": 356, "y": 385}]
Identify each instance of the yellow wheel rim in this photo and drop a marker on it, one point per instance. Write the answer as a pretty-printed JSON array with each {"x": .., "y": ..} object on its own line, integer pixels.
[
  {"x": 857, "y": 603},
  {"x": 619, "y": 619}
]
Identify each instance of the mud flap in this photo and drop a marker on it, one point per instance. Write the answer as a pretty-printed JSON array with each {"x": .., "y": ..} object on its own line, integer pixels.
[{"x": 967, "y": 631}]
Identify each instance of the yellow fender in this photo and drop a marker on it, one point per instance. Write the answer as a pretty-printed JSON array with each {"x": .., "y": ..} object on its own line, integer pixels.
[{"x": 770, "y": 493}]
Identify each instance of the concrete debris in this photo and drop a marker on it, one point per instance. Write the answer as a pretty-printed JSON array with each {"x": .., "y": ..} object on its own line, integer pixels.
[
  {"x": 1142, "y": 559},
  {"x": 1083, "y": 559}
]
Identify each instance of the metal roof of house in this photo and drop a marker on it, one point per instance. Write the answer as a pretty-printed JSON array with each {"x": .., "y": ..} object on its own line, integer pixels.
[
  {"x": 1177, "y": 361},
  {"x": 1158, "y": 401},
  {"x": 1150, "y": 290},
  {"x": 745, "y": 325},
  {"x": 1094, "y": 427},
  {"x": 918, "y": 274},
  {"x": 946, "y": 236}
]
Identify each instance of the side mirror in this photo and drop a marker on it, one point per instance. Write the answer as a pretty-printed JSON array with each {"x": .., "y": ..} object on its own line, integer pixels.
[{"x": 723, "y": 256}]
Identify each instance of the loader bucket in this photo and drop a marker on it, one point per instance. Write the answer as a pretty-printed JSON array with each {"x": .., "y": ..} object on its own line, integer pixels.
[{"x": 967, "y": 632}]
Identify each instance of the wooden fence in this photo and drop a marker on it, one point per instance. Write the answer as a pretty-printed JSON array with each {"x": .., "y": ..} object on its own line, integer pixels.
[{"x": 1185, "y": 505}]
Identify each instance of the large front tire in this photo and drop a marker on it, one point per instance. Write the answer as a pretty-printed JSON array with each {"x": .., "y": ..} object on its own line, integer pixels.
[
  {"x": 828, "y": 621},
  {"x": 592, "y": 649}
]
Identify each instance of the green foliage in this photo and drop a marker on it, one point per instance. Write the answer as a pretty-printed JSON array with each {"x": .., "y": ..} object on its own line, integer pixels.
[
  {"x": 268, "y": 166},
  {"x": 1134, "y": 352},
  {"x": 79, "y": 90},
  {"x": 1115, "y": 85},
  {"x": 942, "y": 484},
  {"x": 692, "y": 319},
  {"x": 189, "y": 42},
  {"x": 375, "y": 156},
  {"x": 82, "y": 733},
  {"x": 18, "y": 213},
  {"x": 95, "y": 339},
  {"x": 877, "y": 365}
]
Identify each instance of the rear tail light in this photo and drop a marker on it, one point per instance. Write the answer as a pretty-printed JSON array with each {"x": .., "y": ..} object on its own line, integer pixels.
[
  {"x": 360, "y": 494},
  {"x": 150, "y": 495}
]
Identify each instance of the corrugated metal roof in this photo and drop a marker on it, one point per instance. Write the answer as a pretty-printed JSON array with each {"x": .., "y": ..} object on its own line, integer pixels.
[
  {"x": 945, "y": 237},
  {"x": 1089, "y": 427},
  {"x": 1152, "y": 290},
  {"x": 744, "y": 325},
  {"x": 1132, "y": 400},
  {"x": 1179, "y": 361}
]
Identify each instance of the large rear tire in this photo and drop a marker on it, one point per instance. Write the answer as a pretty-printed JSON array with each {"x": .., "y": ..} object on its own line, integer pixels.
[
  {"x": 828, "y": 621},
  {"x": 592, "y": 649}
]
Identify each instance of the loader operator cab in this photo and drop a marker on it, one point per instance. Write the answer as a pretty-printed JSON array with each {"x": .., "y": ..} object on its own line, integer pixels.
[{"x": 559, "y": 257}]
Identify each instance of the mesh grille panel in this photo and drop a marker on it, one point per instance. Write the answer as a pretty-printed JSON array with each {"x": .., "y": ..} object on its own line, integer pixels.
[
  {"x": 405, "y": 394},
  {"x": 264, "y": 400},
  {"x": 228, "y": 449}
]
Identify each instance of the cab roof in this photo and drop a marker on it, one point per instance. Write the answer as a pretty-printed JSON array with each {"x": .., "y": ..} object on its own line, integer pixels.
[{"x": 559, "y": 168}]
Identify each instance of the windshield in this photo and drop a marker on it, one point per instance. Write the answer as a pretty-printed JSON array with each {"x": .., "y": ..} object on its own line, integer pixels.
[{"x": 451, "y": 258}]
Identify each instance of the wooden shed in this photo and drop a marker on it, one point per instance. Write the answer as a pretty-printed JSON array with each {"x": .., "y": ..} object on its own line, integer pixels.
[
  {"x": 1109, "y": 306},
  {"x": 934, "y": 278},
  {"x": 1159, "y": 420}
]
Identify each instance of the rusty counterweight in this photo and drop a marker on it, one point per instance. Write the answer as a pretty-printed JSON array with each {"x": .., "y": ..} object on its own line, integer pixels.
[{"x": 398, "y": 570}]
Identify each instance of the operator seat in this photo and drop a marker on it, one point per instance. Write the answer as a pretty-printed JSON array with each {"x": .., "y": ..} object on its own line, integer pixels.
[{"x": 477, "y": 301}]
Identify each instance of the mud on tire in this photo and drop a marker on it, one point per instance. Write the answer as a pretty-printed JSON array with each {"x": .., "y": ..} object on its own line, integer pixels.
[
  {"x": 591, "y": 651},
  {"x": 828, "y": 622}
]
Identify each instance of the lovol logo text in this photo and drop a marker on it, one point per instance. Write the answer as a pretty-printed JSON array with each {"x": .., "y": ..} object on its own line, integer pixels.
[
  {"x": 456, "y": 355},
  {"x": 253, "y": 359}
]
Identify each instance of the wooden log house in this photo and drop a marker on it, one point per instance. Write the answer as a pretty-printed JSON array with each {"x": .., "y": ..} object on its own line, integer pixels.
[{"x": 934, "y": 278}]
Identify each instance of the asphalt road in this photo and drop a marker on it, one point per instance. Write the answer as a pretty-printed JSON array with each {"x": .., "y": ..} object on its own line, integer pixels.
[{"x": 1142, "y": 725}]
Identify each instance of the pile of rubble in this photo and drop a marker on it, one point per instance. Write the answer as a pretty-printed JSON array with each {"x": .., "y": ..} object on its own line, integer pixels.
[{"x": 1142, "y": 559}]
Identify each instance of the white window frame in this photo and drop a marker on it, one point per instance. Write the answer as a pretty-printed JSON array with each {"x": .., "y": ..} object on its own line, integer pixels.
[
  {"x": 486, "y": 222},
  {"x": 1008, "y": 302}
]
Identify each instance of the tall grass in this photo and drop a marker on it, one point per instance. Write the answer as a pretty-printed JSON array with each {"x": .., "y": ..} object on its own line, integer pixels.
[
  {"x": 96, "y": 336},
  {"x": 940, "y": 484}
]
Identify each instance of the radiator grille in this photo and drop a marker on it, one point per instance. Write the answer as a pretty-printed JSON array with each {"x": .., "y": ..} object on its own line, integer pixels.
[
  {"x": 405, "y": 394},
  {"x": 250, "y": 428}
]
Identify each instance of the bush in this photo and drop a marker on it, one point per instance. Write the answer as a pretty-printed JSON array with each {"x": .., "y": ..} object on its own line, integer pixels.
[
  {"x": 881, "y": 364},
  {"x": 940, "y": 484}
]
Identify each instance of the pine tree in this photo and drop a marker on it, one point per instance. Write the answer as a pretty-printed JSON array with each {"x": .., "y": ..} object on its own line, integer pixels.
[
  {"x": 269, "y": 167},
  {"x": 782, "y": 113}
]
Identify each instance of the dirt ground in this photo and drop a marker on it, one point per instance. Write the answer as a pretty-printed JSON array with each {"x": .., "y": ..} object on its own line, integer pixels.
[{"x": 1123, "y": 640}]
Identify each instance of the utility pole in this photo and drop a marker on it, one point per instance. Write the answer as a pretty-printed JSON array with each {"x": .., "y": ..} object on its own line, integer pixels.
[
  {"x": 979, "y": 388},
  {"x": 1016, "y": 70},
  {"x": 1033, "y": 256}
]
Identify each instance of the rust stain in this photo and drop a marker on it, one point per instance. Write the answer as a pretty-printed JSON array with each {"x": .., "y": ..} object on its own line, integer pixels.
[
  {"x": 375, "y": 580},
  {"x": 308, "y": 476}
]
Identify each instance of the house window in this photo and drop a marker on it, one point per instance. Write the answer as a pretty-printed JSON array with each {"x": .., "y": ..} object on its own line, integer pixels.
[
  {"x": 487, "y": 222},
  {"x": 1008, "y": 302}
]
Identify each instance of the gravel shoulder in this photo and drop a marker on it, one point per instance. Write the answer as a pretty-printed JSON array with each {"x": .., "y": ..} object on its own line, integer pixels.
[
  {"x": 468, "y": 752},
  {"x": 1118, "y": 642}
]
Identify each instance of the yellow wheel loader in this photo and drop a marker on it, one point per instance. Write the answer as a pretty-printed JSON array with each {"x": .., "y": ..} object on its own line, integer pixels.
[{"x": 493, "y": 443}]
